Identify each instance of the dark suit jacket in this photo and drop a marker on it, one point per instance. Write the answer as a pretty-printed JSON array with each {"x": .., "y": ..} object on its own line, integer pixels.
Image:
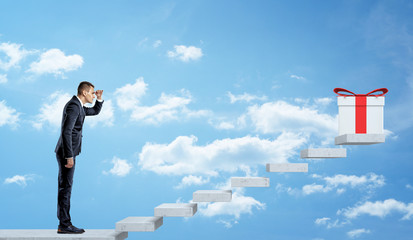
[{"x": 70, "y": 140}]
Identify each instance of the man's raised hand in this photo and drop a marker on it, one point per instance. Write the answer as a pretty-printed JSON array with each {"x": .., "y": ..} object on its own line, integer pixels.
[{"x": 99, "y": 94}]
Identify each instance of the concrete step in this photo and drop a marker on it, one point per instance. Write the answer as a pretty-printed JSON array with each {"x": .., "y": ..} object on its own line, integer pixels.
[
  {"x": 324, "y": 153},
  {"x": 250, "y": 182},
  {"x": 287, "y": 167},
  {"x": 176, "y": 210},
  {"x": 212, "y": 196},
  {"x": 139, "y": 224},
  {"x": 359, "y": 139},
  {"x": 48, "y": 234}
]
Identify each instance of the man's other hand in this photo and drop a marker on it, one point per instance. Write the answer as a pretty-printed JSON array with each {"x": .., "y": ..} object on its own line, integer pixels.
[
  {"x": 99, "y": 94},
  {"x": 70, "y": 163}
]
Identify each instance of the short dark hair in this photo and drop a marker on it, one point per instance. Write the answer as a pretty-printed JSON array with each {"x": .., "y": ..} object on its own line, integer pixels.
[{"x": 84, "y": 86}]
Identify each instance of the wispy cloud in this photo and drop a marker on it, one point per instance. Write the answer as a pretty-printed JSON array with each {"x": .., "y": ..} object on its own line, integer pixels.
[
  {"x": 15, "y": 54},
  {"x": 379, "y": 209},
  {"x": 246, "y": 97},
  {"x": 323, "y": 101},
  {"x": 297, "y": 77},
  {"x": 157, "y": 43},
  {"x": 3, "y": 78},
  {"x": 56, "y": 62},
  {"x": 185, "y": 53},
  {"x": 169, "y": 107},
  {"x": 357, "y": 232},
  {"x": 120, "y": 168},
  {"x": 8, "y": 115},
  {"x": 20, "y": 180}
]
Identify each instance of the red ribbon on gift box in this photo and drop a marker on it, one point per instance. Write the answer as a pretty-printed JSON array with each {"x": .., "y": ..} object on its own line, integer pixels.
[{"x": 361, "y": 106}]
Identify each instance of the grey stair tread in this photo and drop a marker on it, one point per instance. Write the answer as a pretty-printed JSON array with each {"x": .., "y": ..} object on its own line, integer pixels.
[
  {"x": 139, "y": 224},
  {"x": 323, "y": 153},
  {"x": 47, "y": 234},
  {"x": 287, "y": 167},
  {"x": 360, "y": 139},
  {"x": 176, "y": 209}
]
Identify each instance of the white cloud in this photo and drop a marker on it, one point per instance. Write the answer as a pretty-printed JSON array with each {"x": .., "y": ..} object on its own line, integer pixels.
[
  {"x": 106, "y": 115},
  {"x": 185, "y": 53},
  {"x": 239, "y": 205},
  {"x": 297, "y": 77},
  {"x": 323, "y": 101},
  {"x": 322, "y": 221},
  {"x": 408, "y": 186},
  {"x": 20, "y": 180},
  {"x": 128, "y": 96},
  {"x": 228, "y": 223},
  {"x": 313, "y": 188},
  {"x": 371, "y": 179},
  {"x": 192, "y": 180},
  {"x": 8, "y": 115},
  {"x": 157, "y": 43},
  {"x": 55, "y": 61},
  {"x": 357, "y": 232},
  {"x": 143, "y": 42},
  {"x": 169, "y": 106},
  {"x": 245, "y": 97},
  {"x": 3, "y": 78},
  {"x": 183, "y": 157},
  {"x": 325, "y": 221},
  {"x": 14, "y": 55},
  {"x": 379, "y": 209},
  {"x": 120, "y": 168},
  {"x": 51, "y": 111},
  {"x": 275, "y": 117},
  {"x": 340, "y": 181}
]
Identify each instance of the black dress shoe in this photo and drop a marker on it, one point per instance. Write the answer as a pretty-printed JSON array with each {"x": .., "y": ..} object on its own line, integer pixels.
[{"x": 70, "y": 230}]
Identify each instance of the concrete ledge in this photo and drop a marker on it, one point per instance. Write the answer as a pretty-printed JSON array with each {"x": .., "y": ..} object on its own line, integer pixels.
[
  {"x": 48, "y": 234},
  {"x": 139, "y": 224},
  {"x": 359, "y": 139},
  {"x": 176, "y": 210},
  {"x": 287, "y": 167},
  {"x": 250, "y": 182},
  {"x": 324, "y": 153},
  {"x": 212, "y": 196}
]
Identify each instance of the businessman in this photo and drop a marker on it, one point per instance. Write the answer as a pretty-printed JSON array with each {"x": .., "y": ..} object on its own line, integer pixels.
[{"x": 69, "y": 146}]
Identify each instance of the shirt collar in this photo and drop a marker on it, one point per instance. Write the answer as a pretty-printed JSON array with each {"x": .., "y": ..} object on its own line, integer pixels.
[{"x": 79, "y": 100}]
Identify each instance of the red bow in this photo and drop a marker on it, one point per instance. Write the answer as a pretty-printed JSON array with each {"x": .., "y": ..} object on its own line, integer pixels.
[{"x": 383, "y": 90}]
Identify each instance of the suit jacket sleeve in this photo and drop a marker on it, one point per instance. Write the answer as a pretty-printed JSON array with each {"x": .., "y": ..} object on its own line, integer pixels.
[
  {"x": 95, "y": 110},
  {"x": 70, "y": 117}
]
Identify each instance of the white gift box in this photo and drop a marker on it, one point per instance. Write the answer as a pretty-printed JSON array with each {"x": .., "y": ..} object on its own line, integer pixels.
[{"x": 351, "y": 120}]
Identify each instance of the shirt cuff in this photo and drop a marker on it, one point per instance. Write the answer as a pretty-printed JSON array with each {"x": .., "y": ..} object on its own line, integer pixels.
[{"x": 101, "y": 100}]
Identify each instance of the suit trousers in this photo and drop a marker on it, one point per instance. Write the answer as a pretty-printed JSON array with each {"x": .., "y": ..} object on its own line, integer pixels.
[{"x": 65, "y": 182}]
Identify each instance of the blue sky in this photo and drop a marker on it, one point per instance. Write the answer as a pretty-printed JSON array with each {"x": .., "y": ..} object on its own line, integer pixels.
[{"x": 197, "y": 92}]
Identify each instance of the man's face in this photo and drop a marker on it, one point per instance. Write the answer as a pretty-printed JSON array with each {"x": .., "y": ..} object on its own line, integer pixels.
[{"x": 90, "y": 95}]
